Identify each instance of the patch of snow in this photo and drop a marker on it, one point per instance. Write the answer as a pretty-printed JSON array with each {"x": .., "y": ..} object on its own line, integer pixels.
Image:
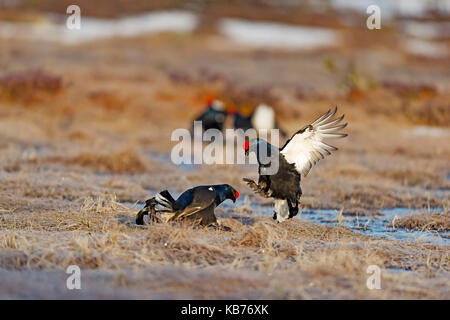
[
  {"x": 94, "y": 29},
  {"x": 276, "y": 35},
  {"x": 390, "y": 8},
  {"x": 426, "y": 48},
  {"x": 430, "y": 131},
  {"x": 426, "y": 30}
]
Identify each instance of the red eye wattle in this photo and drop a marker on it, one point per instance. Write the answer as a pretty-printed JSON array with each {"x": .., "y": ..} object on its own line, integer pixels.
[
  {"x": 246, "y": 145},
  {"x": 233, "y": 110},
  {"x": 237, "y": 194}
]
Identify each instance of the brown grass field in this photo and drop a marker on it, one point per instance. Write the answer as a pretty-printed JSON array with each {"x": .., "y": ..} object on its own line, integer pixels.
[{"x": 85, "y": 134}]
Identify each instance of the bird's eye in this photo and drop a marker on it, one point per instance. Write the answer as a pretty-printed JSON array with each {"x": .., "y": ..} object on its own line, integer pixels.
[{"x": 246, "y": 145}]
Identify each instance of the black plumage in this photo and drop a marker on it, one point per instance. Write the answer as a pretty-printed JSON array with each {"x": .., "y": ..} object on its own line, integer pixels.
[
  {"x": 196, "y": 205},
  {"x": 284, "y": 184},
  {"x": 214, "y": 116},
  {"x": 295, "y": 159},
  {"x": 242, "y": 122},
  {"x": 253, "y": 120}
]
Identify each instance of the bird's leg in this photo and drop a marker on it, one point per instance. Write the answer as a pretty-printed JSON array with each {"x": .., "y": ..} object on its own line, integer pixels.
[
  {"x": 152, "y": 215},
  {"x": 258, "y": 188},
  {"x": 252, "y": 184}
]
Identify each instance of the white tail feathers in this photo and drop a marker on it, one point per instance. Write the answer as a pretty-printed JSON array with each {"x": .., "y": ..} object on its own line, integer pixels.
[
  {"x": 282, "y": 209},
  {"x": 263, "y": 118},
  {"x": 162, "y": 203}
]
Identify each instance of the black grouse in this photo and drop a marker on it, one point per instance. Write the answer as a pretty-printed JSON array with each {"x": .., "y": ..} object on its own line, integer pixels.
[
  {"x": 214, "y": 116},
  {"x": 196, "y": 205},
  {"x": 295, "y": 159},
  {"x": 242, "y": 122},
  {"x": 262, "y": 118}
]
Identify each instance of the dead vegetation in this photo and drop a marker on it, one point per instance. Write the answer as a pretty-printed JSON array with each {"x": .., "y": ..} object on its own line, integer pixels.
[
  {"x": 29, "y": 86},
  {"x": 125, "y": 161},
  {"x": 95, "y": 238},
  {"x": 108, "y": 100},
  {"x": 424, "y": 221}
]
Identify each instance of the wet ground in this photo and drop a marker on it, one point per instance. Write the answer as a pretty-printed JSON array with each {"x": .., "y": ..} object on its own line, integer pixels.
[{"x": 377, "y": 226}]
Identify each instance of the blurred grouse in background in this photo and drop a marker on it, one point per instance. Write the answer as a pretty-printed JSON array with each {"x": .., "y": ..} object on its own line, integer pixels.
[
  {"x": 214, "y": 116},
  {"x": 262, "y": 118},
  {"x": 295, "y": 159},
  {"x": 196, "y": 205}
]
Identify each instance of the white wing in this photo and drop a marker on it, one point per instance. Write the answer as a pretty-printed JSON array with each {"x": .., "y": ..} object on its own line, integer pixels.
[{"x": 307, "y": 146}]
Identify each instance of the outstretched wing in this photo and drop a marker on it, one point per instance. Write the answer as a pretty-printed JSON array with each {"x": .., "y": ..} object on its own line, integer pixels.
[{"x": 307, "y": 146}]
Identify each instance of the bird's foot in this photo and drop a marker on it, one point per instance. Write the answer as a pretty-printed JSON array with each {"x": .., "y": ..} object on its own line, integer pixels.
[
  {"x": 152, "y": 217},
  {"x": 257, "y": 188},
  {"x": 252, "y": 184}
]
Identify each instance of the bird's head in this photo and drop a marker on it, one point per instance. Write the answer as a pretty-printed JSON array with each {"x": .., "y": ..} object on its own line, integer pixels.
[
  {"x": 225, "y": 191},
  {"x": 267, "y": 155},
  {"x": 209, "y": 101},
  {"x": 232, "y": 193},
  {"x": 233, "y": 110},
  {"x": 253, "y": 145},
  {"x": 247, "y": 147}
]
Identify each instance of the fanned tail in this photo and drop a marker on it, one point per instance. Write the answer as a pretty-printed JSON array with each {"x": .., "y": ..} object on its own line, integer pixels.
[
  {"x": 163, "y": 202},
  {"x": 282, "y": 211}
]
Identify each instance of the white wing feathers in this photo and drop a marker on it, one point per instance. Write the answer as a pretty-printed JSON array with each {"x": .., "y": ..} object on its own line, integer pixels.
[{"x": 307, "y": 146}]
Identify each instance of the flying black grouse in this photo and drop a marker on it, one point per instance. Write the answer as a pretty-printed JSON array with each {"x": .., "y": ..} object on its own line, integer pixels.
[
  {"x": 262, "y": 118},
  {"x": 196, "y": 205},
  {"x": 296, "y": 158},
  {"x": 214, "y": 116}
]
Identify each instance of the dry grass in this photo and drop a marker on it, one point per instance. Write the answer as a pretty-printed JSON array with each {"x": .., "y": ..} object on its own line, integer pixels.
[
  {"x": 98, "y": 238},
  {"x": 125, "y": 161},
  {"x": 29, "y": 87},
  {"x": 67, "y": 163},
  {"x": 424, "y": 221}
]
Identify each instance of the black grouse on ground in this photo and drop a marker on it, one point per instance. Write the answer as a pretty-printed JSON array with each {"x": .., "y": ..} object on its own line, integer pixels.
[
  {"x": 214, "y": 116},
  {"x": 196, "y": 205},
  {"x": 262, "y": 118},
  {"x": 242, "y": 122},
  {"x": 295, "y": 159}
]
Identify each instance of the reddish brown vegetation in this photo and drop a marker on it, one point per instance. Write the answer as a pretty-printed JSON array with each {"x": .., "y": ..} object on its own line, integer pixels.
[{"x": 29, "y": 86}]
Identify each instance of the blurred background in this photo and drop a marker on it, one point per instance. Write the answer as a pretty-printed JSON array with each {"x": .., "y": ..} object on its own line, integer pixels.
[{"x": 307, "y": 49}]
